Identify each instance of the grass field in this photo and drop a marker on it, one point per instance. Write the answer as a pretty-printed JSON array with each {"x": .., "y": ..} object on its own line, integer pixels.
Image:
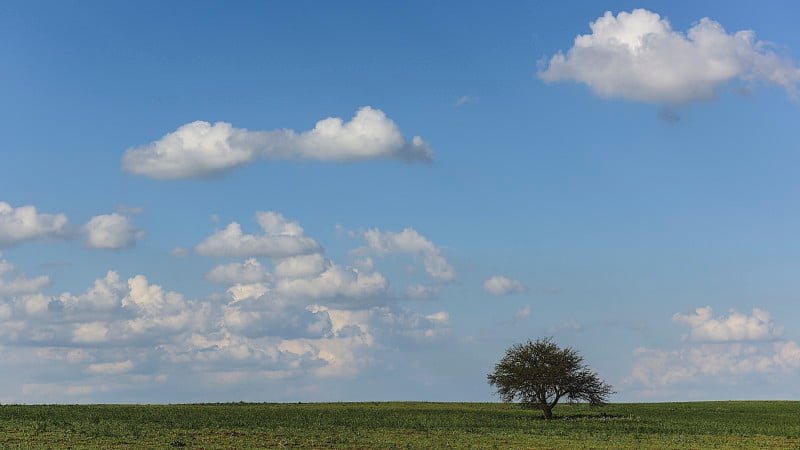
[{"x": 402, "y": 425}]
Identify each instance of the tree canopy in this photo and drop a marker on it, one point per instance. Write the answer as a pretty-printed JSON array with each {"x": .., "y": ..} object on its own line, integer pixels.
[{"x": 540, "y": 373}]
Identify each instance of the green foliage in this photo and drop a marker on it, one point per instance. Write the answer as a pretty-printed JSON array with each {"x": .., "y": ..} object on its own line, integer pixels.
[
  {"x": 540, "y": 373},
  {"x": 401, "y": 425}
]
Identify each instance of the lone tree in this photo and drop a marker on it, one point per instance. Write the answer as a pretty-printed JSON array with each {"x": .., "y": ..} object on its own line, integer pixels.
[{"x": 540, "y": 373}]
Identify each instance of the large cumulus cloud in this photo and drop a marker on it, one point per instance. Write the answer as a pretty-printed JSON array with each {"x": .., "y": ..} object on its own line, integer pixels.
[{"x": 639, "y": 57}]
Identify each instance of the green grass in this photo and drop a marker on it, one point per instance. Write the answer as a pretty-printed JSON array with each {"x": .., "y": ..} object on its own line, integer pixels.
[{"x": 402, "y": 425}]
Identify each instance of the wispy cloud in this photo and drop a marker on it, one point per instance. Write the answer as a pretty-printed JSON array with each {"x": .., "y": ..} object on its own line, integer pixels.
[
  {"x": 409, "y": 241},
  {"x": 463, "y": 100}
]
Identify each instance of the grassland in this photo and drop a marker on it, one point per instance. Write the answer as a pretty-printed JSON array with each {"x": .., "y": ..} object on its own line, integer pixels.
[{"x": 402, "y": 425}]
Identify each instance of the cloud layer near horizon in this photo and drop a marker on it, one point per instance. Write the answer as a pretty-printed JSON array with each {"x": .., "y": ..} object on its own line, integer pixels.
[
  {"x": 639, "y": 57},
  {"x": 308, "y": 318},
  {"x": 732, "y": 348},
  {"x": 202, "y": 149}
]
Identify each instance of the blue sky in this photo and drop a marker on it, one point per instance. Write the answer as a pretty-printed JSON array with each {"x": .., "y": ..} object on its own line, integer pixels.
[{"x": 314, "y": 201}]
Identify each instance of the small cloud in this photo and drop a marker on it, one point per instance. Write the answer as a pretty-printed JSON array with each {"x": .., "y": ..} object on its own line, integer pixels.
[
  {"x": 409, "y": 241},
  {"x": 345, "y": 287},
  {"x": 19, "y": 284},
  {"x": 302, "y": 266},
  {"x": 111, "y": 231},
  {"x": 180, "y": 252},
  {"x": 342, "y": 231},
  {"x": 441, "y": 316},
  {"x": 26, "y": 223},
  {"x": 249, "y": 271},
  {"x": 464, "y": 99},
  {"x": 523, "y": 313},
  {"x": 281, "y": 238},
  {"x": 501, "y": 285}
]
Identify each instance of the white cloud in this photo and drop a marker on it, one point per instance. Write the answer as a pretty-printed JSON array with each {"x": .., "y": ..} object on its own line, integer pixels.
[
  {"x": 34, "y": 304},
  {"x": 300, "y": 272},
  {"x": 409, "y": 241},
  {"x": 179, "y": 252},
  {"x": 194, "y": 150},
  {"x": 201, "y": 149},
  {"x": 5, "y": 266},
  {"x": 360, "y": 336},
  {"x": 20, "y": 284},
  {"x": 439, "y": 317},
  {"x": 523, "y": 313},
  {"x": 111, "y": 231},
  {"x": 461, "y": 101},
  {"x": 336, "y": 284},
  {"x": 311, "y": 319},
  {"x": 149, "y": 298},
  {"x": 501, "y": 285},
  {"x": 655, "y": 368},
  {"x": 247, "y": 272},
  {"x": 105, "y": 295},
  {"x": 302, "y": 266},
  {"x": 731, "y": 348},
  {"x": 91, "y": 332},
  {"x": 244, "y": 291},
  {"x": 638, "y": 56},
  {"x": 369, "y": 135},
  {"x": 735, "y": 327},
  {"x": 111, "y": 312},
  {"x": 281, "y": 239},
  {"x": 255, "y": 319},
  {"x": 408, "y": 325},
  {"x": 25, "y": 223},
  {"x": 159, "y": 315}
]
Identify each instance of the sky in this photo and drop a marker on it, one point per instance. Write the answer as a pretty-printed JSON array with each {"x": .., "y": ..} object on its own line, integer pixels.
[{"x": 371, "y": 201}]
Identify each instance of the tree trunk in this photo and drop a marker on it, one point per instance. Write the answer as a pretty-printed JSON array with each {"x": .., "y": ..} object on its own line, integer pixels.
[{"x": 548, "y": 411}]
